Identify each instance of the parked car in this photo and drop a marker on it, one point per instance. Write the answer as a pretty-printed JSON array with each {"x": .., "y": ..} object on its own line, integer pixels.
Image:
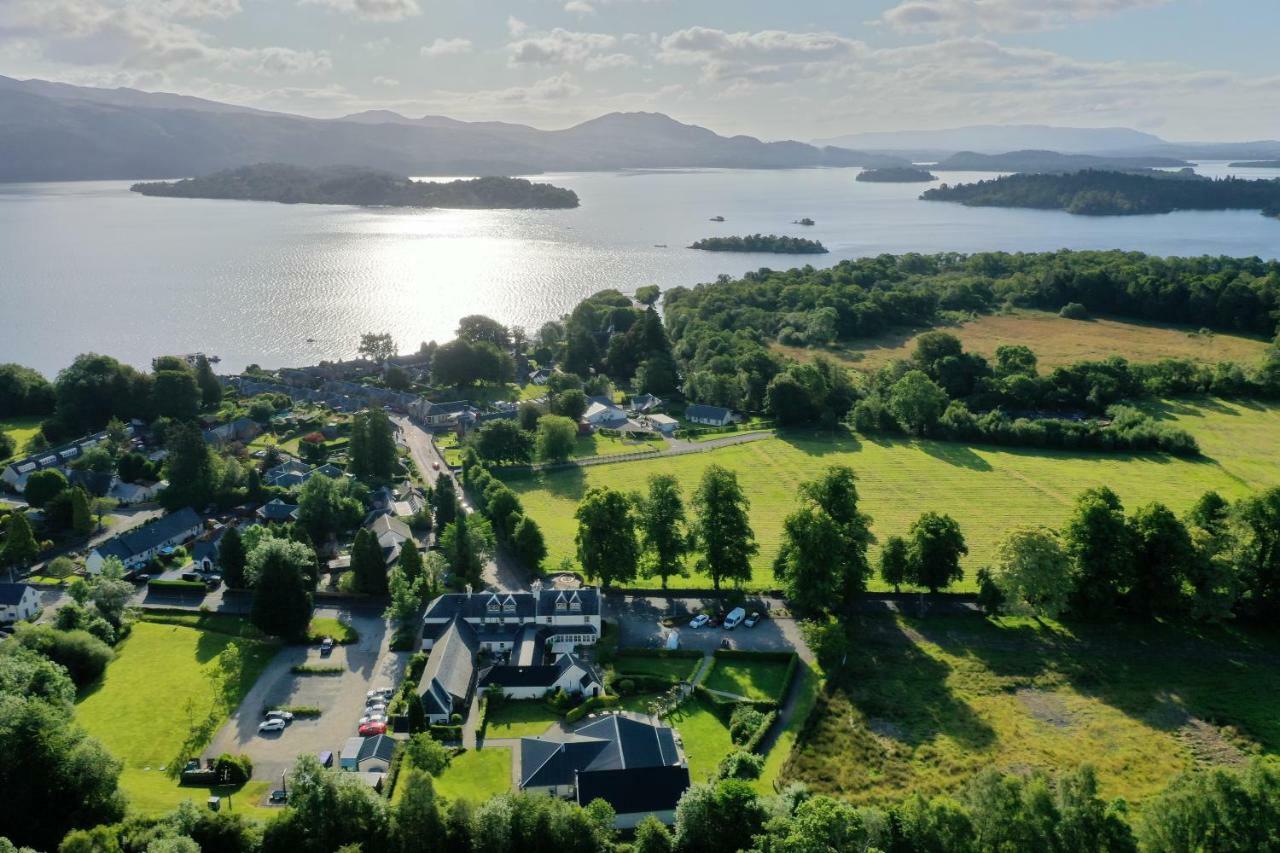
[
  {"x": 379, "y": 691},
  {"x": 142, "y": 577},
  {"x": 190, "y": 576},
  {"x": 287, "y": 716},
  {"x": 699, "y": 620},
  {"x": 326, "y": 758},
  {"x": 734, "y": 619},
  {"x": 213, "y": 581},
  {"x": 326, "y": 647},
  {"x": 372, "y": 728},
  {"x": 275, "y": 725},
  {"x": 279, "y": 795},
  {"x": 752, "y": 619},
  {"x": 726, "y": 643},
  {"x": 435, "y": 466}
]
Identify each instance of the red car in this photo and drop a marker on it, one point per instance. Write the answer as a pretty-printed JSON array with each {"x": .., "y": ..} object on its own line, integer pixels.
[{"x": 371, "y": 729}]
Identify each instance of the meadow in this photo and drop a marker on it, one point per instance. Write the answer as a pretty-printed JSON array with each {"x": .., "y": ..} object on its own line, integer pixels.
[
  {"x": 987, "y": 489},
  {"x": 922, "y": 705},
  {"x": 1056, "y": 341},
  {"x": 160, "y": 700},
  {"x": 21, "y": 431}
]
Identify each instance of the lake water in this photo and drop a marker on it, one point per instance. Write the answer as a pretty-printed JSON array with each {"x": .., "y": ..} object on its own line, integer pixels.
[{"x": 93, "y": 267}]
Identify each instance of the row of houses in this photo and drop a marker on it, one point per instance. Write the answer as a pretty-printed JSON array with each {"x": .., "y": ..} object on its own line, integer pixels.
[
  {"x": 458, "y": 415},
  {"x": 16, "y": 473},
  {"x": 137, "y": 546},
  {"x": 339, "y": 395}
]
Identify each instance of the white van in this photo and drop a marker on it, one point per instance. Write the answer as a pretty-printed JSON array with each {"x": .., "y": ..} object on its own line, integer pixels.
[{"x": 735, "y": 617}]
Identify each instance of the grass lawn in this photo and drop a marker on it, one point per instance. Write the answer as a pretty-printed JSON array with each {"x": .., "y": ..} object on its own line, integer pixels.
[
  {"x": 1057, "y": 341},
  {"x": 924, "y": 704},
  {"x": 610, "y": 445},
  {"x": 20, "y": 430},
  {"x": 525, "y": 718},
  {"x": 809, "y": 682},
  {"x": 706, "y": 739},
  {"x": 900, "y": 478},
  {"x": 753, "y": 679},
  {"x": 476, "y": 775},
  {"x": 674, "y": 668},
  {"x": 157, "y": 704},
  {"x": 341, "y": 633}
]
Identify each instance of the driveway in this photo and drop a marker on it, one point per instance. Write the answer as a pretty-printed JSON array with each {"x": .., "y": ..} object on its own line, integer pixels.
[
  {"x": 368, "y": 663},
  {"x": 640, "y": 624}
]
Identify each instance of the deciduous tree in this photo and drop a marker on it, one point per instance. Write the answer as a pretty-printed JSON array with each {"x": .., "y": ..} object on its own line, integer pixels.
[
  {"x": 663, "y": 529},
  {"x": 607, "y": 546},
  {"x": 722, "y": 528},
  {"x": 935, "y": 546}
]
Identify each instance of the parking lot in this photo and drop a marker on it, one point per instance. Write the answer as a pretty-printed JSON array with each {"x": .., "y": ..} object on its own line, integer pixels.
[
  {"x": 368, "y": 664},
  {"x": 640, "y": 623}
]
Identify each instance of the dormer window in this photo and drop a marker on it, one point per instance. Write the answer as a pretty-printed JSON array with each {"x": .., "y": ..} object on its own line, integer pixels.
[
  {"x": 561, "y": 604},
  {"x": 509, "y": 606},
  {"x": 494, "y": 606},
  {"x": 575, "y": 603}
]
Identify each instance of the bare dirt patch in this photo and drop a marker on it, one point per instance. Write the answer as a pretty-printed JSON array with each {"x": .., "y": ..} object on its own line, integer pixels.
[
  {"x": 1209, "y": 745},
  {"x": 1045, "y": 706}
]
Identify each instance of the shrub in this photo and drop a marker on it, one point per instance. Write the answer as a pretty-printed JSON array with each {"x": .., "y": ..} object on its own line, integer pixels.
[
  {"x": 455, "y": 719},
  {"x": 744, "y": 722},
  {"x": 83, "y": 655},
  {"x": 626, "y": 687},
  {"x": 591, "y": 705},
  {"x": 60, "y": 567},
  {"x": 741, "y": 765},
  {"x": 1074, "y": 311},
  {"x": 316, "y": 669},
  {"x": 234, "y": 769}
]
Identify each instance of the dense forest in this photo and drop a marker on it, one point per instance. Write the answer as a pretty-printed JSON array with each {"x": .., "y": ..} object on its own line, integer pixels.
[
  {"x": 1099, "y": 193},
  {"x": 762, "y": 243},
  {"x": 722, "y": 332},
  {"x": 903, "y": 175},
  {"x": 350, "y": 185},
  {"x": 1256, "y": 164}
]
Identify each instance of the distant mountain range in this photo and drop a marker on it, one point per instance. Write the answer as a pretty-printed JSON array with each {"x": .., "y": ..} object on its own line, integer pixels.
[
  {"x": 54, "y": 131},
  {"x": 1049, "y": 161},
  {"x": 933, "y": 145}
]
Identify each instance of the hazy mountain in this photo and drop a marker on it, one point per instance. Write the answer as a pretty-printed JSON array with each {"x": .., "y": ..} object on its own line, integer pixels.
[
  {"x": 992, "y": 139},
  {"x": 1049, "y": 161},
  {"x": 51, "y": 131}
]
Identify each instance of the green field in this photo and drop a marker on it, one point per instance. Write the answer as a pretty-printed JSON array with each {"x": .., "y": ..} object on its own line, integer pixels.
[
  {"x": 677, "y": 668},
  {"x": 524, "y": 718},
  {"x": 758, "y": 680},
  {"x": 924, "y": 704},
  {"x": 157, "y": 702},
  {"x": 20, "y": 430},
  {"x": 476, "y": 775},
  {"x": 987, "y": 489}
]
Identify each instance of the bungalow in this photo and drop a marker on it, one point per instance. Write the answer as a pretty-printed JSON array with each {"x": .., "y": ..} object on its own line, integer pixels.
[
  {"x": 367, "y": 754},
  {"x": 392, "y": 534},
  {"x": 603, "y": 413},
  {"x": 242, "y": 430},
  {"x": 664, "y": 424},
  {"x": 18, "y": 601},
  {"x": 137, "y": 493},
  {"x": 708, "y": 415},
  {"x": 205, "y": 551},
  {"x": 287, "y": 474},
  {"x": 438, "y": 415},
  {"x": 15, "y": 473},
  {"x": 569, "y": 673},
  {"x": 541, "y": 376},
  {"x": 143, "y": 543},
  {"x": 645, "y": 403},
  {"x": 278, "y": 511},
  {"x": 448, "y": 681},
  {"x": 634, "y": 765}
]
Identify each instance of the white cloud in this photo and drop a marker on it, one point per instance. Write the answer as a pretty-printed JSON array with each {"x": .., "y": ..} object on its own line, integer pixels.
[
  {"x": 199, "y": 8},
  {"x": 1001, "y": 15},
  {"x": 372, "y": 10},
  {"x": 387, "y": 82},
  {"x": 559, "y": 47},
  {"x": 610, "y": 60},
  {"x": 273, "y": 60},
  {"x": 515, "y": 26},
  {"x": 579, "y": 7},
  {"x": 549, "y": 89},
  {"x": 447, "y": 47}
]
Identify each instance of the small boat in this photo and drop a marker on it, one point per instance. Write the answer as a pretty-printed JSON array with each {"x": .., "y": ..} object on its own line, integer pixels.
[
  {"x": 717, "y": 219},
  {"x": 659, "y": 245},
  {"x": 805, "y": 221},
  {"x": 311, "y": 340}
]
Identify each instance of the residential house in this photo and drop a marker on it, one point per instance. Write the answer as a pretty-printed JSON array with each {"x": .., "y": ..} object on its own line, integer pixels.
[
  {"x": 603, "y": 413},
  {"x": 367, "y": 754},
  {"x": 18, "y": 601},
  {"x": 438, "y": 415},
  {"x": 143, "y": 543},
  {"x": 205, "y": 550},
  {"x": 569, "y": 673},
  {"x": 541, "y": 376},
  {"x": 634, "y": 765},
  {"x": 392, "y": 534},
  {"x": 664, "y": 424},
  {"x": 243, "y": 430},
  {"x": 16, "y": 472},
  {"x": 287, "y": 474},
  {"x": 136, "y": 493},
  {"x": 277, "y": 511},
  {"x": 645, "y": 403},
  {"x": 448, "y": 681},
  {"x": 564, "y": 619},
  {"x": 708, "y": 415}
]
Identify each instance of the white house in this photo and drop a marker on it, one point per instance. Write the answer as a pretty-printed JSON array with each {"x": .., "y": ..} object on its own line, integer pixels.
[
  {"x": 708, "y": 415},
  {"x": 604, "y": 413},
  {"x": 664, "y": 424},
  {"x": 569, "y": 673},
  {"x": 568, "y": 616},
  {"x": 18, "y": 601},
  {"x": 16, "y": 472},
  {"x": 143, "y": 543}
]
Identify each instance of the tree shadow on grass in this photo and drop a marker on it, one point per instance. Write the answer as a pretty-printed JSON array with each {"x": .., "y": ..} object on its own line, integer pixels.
[
  {"x": 959, "y": 455},
  {"x": 814, "y": 442},
  {"x": 568, "y": 483}
]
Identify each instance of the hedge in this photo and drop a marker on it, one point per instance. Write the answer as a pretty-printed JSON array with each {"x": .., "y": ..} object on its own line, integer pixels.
[
  {"x": 792, "y": 659},
  {"x": 190, "y": 586},
  {"x": 588, "y": 706},
  {"x": 301, "y": 711},
  {"x": 752, "y": 744},
  {"x": 443, "y": 733},
  {"x": 315, "y": 669}
]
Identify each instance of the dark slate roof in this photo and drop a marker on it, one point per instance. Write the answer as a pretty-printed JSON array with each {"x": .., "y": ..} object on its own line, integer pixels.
[
  {"x": 378, "y": 746},
  {"x": 545, "y": 762},
  {"x": 614, "y": 742},
  {"x": 698, "y": 410},
  {"x": 521, "y": 676},
  {"x": 11, "y": 593},
  {"x": 550, "y": 599},
  {"x": 635, "y": 790},
  {"x": 94, "y": 482},
  {"x": 451, "y": 665},
  {"x": 476, "y": 605},
  {"x": 148, "y": 536},
  {"x": 277, "y": 510}
]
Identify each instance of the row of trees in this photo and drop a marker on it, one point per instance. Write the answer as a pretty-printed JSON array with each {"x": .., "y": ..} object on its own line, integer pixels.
[
  {"x": 623, "y": 536},
  {"x": 1218, "y": 560},
  {"x": 504, "y": 516}
]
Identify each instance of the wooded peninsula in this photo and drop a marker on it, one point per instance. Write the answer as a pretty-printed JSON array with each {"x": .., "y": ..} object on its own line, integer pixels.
[
  {"x": 897, "y": 175},
  {"x": 762, "y": 243},
  {"x": 351, "y": 185},
  {"x": 1099, "y": 193}
]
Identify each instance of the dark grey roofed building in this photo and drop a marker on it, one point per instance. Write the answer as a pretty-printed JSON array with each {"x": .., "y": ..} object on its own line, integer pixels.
[
  {"x": 450, "y": 674},
  {"x": 144, "y": 542},
  {"x": 708, "y": 415}
]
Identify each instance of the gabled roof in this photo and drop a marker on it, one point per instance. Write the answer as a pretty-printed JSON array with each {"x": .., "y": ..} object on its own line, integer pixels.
[
  {"x": 520, "y": 676},
  {"x": 698, "y": 410},
  {"x": 634, "y": 791},
  {"x": 451, "y": 665},
  {"x": 278, "y": 510},
  {"x": 379, "y": 746},
  {"x": 12, "y": 593},
  {"x": 142, "y": 539},
  {"x": 614, "y": 742},
  {"x": 387, "y": 526}
]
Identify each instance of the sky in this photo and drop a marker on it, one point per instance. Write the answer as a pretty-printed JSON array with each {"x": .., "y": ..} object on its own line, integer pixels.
[{"x": 777, "y": 69}]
